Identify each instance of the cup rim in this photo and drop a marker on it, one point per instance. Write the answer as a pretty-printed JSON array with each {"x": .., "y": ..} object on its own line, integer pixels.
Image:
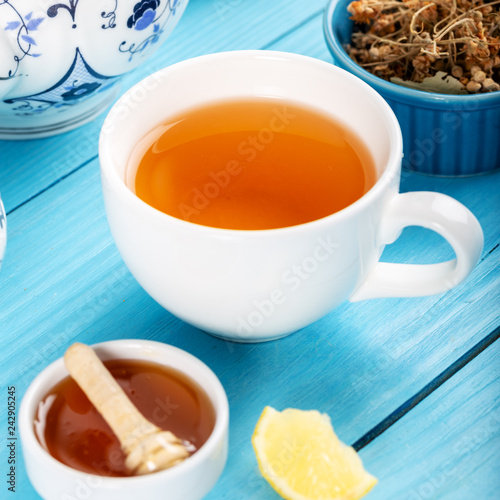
[
  {"x": 391, "y": 170},
  {"x": 389, "y": 89},
  {"x": 47, "y": 378}
]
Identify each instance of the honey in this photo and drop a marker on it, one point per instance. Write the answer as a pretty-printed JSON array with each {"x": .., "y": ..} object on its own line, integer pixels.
[{"x": 72, "y": 431}]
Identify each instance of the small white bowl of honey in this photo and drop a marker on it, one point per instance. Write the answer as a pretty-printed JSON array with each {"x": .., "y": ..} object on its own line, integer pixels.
[{"x": 71, "y": 452}]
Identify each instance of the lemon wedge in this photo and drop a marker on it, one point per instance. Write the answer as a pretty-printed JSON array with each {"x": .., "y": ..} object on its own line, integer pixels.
[{"x": 301, "y": 457}]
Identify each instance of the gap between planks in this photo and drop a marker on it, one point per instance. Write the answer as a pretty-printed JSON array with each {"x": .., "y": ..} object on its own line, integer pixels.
[
  {"x": 427, "y": 390},
  {"x": 293, "y": 28},
  {"x": 46, "y": 188}
]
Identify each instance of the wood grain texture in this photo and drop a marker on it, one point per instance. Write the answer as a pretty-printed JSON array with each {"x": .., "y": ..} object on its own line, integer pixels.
[
  {"x": 66, "y": 282},
  {"x": 205, "y": 27},
  {"x": 450, "y": 441},
  {"x": 63, "y": 280}
]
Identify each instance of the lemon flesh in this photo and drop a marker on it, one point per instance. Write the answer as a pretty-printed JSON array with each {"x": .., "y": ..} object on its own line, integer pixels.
[{"x": 301, "y": 457}]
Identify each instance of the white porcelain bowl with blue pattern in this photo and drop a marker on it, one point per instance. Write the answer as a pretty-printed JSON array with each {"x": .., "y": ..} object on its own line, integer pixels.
[{"x": 60, "y": 61}]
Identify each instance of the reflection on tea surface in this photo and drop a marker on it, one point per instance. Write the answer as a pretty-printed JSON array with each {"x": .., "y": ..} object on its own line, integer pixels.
[{"x": 253, "y": 164}]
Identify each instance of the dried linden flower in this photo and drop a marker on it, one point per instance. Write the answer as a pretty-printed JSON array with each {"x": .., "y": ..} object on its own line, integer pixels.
[
  {"x": 414, "y": 40},
  {"x": 473, "y": 87},
  {"x": 489, "y": 85},
  {"x": 479, "y": 76}
]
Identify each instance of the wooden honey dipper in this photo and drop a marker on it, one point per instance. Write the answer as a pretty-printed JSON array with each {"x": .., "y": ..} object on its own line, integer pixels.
[{"x": 147, "y": 447}]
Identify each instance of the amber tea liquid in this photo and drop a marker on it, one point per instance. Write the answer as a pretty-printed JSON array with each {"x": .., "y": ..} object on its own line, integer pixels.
[
  {"x": 72, "y": 431},
  {"x": 253, "y": 164}
]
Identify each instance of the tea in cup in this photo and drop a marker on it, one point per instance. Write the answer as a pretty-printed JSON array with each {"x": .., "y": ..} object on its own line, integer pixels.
[
  {"x": 252, "y": 192},
  {"x": 258, "y": 163}
]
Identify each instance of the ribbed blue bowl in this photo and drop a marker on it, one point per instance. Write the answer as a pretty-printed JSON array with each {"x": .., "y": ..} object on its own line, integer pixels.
[{"x": 442, "y": 134}]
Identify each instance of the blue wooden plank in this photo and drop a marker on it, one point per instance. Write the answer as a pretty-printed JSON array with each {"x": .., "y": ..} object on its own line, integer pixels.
[
  {"x": 308, "y": 39},
  {"x": 29, "y": 167},
  {"x": 63, "y": 281},
  {"x": 447, "y": 448},
  {"x": 427, "y": 390},
  {"x": 66, "y": 282}
]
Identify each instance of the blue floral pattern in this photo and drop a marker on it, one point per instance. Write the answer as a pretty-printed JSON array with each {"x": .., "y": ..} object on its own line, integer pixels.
[
  {"x": 25, "y": 26},
  {"x": 79, "y": 91},
  {"x": 144, "y": 14},
  {"x": 79, "y": 83},
  {"x": 149, "y": 17},
  {"x": 110, "y": 18}
]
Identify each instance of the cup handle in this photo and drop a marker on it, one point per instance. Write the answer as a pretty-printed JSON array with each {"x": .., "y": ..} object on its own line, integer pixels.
[{"x": 445, "y": 216}]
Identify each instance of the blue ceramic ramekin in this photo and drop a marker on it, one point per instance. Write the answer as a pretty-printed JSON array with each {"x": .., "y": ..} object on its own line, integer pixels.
[{"x": 442, "y": 134}]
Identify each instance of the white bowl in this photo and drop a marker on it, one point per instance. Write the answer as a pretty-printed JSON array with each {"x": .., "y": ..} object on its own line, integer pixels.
[{"x": 190, "y": 480}]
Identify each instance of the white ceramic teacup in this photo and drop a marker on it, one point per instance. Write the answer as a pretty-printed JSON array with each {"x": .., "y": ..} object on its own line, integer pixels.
[
  {"x": 190, "y": 480},
  {"x": 61, "y": 61},
  {"x": 260, "y": 285}
]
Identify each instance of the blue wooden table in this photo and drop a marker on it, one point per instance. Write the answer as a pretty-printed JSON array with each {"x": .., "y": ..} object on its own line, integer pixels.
[{"x": 412, "y": 383}]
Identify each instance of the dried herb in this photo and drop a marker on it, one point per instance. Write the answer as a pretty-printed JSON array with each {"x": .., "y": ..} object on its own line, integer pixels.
[{"x": 447, "y": 46}]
